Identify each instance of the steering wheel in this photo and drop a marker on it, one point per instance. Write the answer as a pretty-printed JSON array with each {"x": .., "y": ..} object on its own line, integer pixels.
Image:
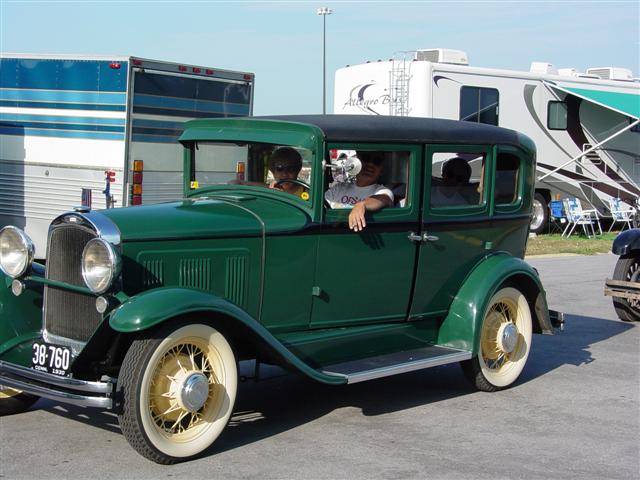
[{"x": 295, "y": 181}]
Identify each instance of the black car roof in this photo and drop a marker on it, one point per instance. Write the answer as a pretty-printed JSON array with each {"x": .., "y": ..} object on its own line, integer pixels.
[{"x": 378, "y": 128}]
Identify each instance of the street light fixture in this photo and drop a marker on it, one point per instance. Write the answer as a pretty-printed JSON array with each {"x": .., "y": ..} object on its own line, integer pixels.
[{"x": 324, "y": 11}]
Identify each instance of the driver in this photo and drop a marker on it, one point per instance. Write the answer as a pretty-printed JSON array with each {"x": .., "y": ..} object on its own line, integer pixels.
[{"x": 285, "y": 164}]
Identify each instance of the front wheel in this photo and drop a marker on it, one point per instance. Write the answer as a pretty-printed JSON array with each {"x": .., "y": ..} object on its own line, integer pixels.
[
  {"x": 178, "y": 390},
  {"x": 539, "y": 215},
  {"x": 505, "y": 342},
  {"x": 627, "y": 269},
  {"x": 14, "y": 401}
]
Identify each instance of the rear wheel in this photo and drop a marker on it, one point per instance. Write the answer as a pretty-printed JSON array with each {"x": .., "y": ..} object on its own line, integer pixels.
[
  {"x": 178, "y": 390},
  {"x": 627, "y": 269},
  {"x": 505, "y": 342},
  {"x": 539, "y": 215},
  {"x": 14, "y": 401}
]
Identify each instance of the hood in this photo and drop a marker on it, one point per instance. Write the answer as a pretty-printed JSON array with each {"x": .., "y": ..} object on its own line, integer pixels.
[{"x": 230, "y": 216}]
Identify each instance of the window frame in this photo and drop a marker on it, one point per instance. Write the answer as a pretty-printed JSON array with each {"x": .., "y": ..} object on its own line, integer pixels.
[
  {"x": 454, "y": 212},
  {"x": 390, "y": 214},
  {"x": 516, "y": 205},
  {"x": 554, "y": 102},
  {"x": 478, "y": 111}
]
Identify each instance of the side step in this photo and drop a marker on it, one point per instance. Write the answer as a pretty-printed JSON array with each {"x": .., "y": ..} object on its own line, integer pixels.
[{"x": 394, "y": 363}]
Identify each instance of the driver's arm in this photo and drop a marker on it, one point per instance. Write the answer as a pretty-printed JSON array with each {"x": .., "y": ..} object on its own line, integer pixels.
[{"x": 370, "y": 204}]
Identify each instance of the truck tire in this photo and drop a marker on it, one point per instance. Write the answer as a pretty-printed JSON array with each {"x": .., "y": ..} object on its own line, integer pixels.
[
  {"x": 14, "y": 401},
  {"x": 539, "y": 215},
  {"x": 178, "y": 387},
  {"x": 627, "y": 269}
]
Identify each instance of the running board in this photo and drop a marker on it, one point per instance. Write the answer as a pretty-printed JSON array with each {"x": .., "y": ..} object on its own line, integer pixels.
[{"x": 394, "y": 363}]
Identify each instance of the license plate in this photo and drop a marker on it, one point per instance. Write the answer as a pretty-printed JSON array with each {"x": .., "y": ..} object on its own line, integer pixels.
[{"x": 50, "y": 358}]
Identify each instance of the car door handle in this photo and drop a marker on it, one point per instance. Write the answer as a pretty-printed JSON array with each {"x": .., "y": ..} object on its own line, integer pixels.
[{"x": 424, "y": 237}]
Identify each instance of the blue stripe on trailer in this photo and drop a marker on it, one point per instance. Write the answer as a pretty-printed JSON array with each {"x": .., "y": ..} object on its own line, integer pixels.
[
  {"x": 172, "y": 103},
  {"x": 63, "y": 106},
  {"x": 64, "y": 96},
  {"x": 64, "y": 126},
  {"x": 159, "y": 131},
  {"x": 144, "y": 122},
  {"x": 36, "y": 132},
  {"x": 63, "y": 74},
  {"x": 24, "y": 117}
]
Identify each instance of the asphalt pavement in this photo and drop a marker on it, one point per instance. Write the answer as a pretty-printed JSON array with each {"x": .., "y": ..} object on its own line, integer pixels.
[{"x": 573, "y": 414}]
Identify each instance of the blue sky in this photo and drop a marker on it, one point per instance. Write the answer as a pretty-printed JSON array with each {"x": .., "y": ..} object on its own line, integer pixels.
[{"x": 281, "y": 42}]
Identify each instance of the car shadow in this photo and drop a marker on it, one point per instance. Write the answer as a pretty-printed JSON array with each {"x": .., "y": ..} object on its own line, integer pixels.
[{"x": 287, "y": 401}]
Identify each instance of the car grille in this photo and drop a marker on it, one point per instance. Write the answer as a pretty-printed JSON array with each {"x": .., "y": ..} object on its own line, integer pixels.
[{"x": 68, "y": 314}]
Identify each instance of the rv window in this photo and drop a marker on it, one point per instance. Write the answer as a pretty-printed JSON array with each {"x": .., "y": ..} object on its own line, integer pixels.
[
  {"x": 557, "y": 116},
  {"x": 457, "y": 179},
  {"x": 507, "y": 174},
  {"x": 479, "y": 105}
]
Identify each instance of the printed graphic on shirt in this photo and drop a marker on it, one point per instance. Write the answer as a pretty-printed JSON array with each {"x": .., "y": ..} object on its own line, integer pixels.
[{"x": 343, "y": 195}]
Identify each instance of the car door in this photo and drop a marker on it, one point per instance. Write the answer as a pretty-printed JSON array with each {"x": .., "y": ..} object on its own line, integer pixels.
[
  {"x": 456, "y": 224},
  {"x": 366, "y": 277}
]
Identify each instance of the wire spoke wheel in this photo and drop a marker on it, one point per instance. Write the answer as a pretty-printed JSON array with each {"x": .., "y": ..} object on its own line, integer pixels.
[
  {"x": 505, "y": 341},
  {"x": 179, "y": 389},
  {"x": 627, "y": 269}
]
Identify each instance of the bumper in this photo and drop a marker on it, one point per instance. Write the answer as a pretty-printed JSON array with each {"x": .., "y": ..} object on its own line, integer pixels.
[
  {"x": 622, "y": 289},
  {"x": 60, "y": 389},
  {"x": 557, "y": 320}
]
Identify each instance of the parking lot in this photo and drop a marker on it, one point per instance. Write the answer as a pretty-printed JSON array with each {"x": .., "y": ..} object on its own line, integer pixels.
[{"x": 574, "y": 413}]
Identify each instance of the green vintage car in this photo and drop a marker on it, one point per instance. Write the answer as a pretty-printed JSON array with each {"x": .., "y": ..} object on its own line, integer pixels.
[{"x": 342, "y": 248}]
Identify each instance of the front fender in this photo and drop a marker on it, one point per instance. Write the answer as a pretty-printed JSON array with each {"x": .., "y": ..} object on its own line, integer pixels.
[
  {"x": 462, "y": 325},
  {"x": 153, "y": 307},
  {"x": 20, "y": 317},
  {"x": 626, "y": 242}
]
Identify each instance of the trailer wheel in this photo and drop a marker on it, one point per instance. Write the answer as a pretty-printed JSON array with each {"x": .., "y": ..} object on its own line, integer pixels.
[
  {"x": 540, "y": 214},
  {"x": 627, "y": 269},
  {"x": 14, "y": 401},
  {"x": 178, "y": 387}
]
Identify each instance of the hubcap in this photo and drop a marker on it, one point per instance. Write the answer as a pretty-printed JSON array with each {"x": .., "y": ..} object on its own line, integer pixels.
[
  {"x": 538, "y": 215},
  {"x": 508, "y": 337},
  {"x": 194, "y": 392}
]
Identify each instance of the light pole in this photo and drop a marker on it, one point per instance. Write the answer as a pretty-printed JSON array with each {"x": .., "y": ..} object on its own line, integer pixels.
[{"x": 324, "y": 11}]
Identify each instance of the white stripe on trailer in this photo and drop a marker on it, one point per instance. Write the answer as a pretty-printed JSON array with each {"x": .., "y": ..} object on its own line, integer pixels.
[{"x": 64, "y": 112}]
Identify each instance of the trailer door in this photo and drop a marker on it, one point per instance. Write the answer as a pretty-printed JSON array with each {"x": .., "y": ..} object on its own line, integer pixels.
[{"x": 161, "y": 103}]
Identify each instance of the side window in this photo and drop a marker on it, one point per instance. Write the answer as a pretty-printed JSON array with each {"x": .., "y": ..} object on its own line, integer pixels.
[
  {"x": 479, "y": 105},
  {"x": 557, "y": 115},
  {"x": 384, "y": 174},
  {"x": 457, "y": 179},
  {"x": 508, "y": 171}
]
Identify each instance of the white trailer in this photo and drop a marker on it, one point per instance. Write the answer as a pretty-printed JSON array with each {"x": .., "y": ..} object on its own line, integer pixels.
[
  {"x": 69, "y": 122},
  {"x": 585, "y": 125}
]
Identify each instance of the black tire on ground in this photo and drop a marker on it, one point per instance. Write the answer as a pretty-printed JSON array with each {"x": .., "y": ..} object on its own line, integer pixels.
[
  {"x": 627, "y": 269},
  {"x": 12, "y": 401},
  {"x": 178, "y": 387},
  {"x": 540, "y": 214}
]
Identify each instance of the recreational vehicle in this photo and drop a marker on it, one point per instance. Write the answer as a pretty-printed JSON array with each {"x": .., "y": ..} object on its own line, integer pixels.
[
  {"x": 100, "y": 131},
  {"x": 585, "y": 125}
]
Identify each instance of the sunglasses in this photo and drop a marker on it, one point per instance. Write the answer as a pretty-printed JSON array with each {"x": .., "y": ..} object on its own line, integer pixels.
[{"x": 285, "y": 168}]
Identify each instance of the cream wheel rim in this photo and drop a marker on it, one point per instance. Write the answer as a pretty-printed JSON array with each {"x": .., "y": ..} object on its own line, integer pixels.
[
  {"x": 8, "y": 392},
  {"x": 188, "y": 390},
  {"x": 506, "y": 337}
]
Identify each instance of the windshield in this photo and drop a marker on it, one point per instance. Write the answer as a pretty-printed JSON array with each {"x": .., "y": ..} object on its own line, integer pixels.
[{"x": 283, "y": 168}]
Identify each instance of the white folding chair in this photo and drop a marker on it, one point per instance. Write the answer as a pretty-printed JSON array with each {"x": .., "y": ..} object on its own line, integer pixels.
[
  {"x": 620, "y": 212},
  {"x": 576, "y": 216}
]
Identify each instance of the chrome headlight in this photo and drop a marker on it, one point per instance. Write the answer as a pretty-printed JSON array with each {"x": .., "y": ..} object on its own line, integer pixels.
[
  {"x": 100, "y": 265},
  {"x": 16, "y": 251}
]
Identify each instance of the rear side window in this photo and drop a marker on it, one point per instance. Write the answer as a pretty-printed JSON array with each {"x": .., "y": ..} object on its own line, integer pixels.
[
  {"x": 457, "y": 179},
  {"x": 508, "y": 171},
  {"x": 557, "y": 116},
  {"x": 479, "y": 105}
]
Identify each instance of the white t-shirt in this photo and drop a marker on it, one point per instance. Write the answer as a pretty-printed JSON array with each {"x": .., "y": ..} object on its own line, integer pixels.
[{"x": 346, "y": 195}]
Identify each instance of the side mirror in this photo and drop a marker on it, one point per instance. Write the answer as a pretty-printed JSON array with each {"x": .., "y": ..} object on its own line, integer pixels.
[{"x": 345, "y": 169}]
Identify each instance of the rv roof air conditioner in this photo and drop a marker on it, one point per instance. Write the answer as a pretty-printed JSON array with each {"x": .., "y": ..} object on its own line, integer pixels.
[
  {"x": 568, "y": 72},
  {"x": 442, "y": 55},
  {"x": 543, "y": 68},
  {"x": 611, "y": 73}
]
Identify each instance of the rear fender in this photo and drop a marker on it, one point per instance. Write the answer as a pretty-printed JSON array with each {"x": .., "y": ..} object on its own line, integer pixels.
[
  {"x": 462, "y": 325},
  {"x": 626, "y": 242},
  {"x": 154, "y": 307}
]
